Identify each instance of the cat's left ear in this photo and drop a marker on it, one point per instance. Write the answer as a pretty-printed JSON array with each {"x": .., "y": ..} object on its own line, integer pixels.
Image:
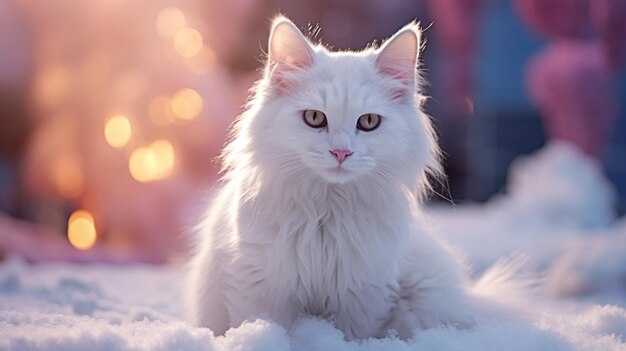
[{"x": 398, "y": 56}]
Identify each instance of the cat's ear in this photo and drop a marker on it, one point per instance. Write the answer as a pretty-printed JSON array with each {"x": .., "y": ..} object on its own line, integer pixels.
[
  {"x": 398, "y": 57},
  {"x": 288, "y": 48}
]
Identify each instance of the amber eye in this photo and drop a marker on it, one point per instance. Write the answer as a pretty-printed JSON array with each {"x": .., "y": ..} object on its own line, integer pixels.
[
  {"x": 314, "y": 118},
  {"x": 368, "y": 122}
]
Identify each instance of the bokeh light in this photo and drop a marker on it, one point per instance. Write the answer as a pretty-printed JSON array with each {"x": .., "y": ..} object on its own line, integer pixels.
[
  {"x": 202, "y": 62},
  {"x": 160, "y": 111},
  {"x": 117, "y": 131},
  {"x": 81, "y": 230},
  {"x": 144, "y": 165},
  {"x": 186, "y": 104},
  {"x": 164, "y": 152},
  {"x": 169, "y": 21},
  {"x": 188, "y": 42},
  {"x": 152, "y": 163}
]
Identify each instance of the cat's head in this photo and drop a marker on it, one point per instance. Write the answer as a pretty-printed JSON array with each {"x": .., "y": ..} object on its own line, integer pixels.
[{"x": 341, "y": 116}]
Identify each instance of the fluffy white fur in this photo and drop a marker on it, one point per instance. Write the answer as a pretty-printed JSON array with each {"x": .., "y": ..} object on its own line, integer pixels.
[{"x": 293, "y": 233}]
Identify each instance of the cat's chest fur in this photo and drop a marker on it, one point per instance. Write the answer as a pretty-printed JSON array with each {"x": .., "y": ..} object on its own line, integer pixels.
[{"x": 322, "y": 254}]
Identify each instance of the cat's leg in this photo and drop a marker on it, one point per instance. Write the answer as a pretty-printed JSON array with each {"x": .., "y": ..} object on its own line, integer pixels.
[
  {"x": 430, "y": 290},
  {"x": 206, "y": 305},
  {"x": 363, "y": 312},
  {"x": 420, "y": 305}
]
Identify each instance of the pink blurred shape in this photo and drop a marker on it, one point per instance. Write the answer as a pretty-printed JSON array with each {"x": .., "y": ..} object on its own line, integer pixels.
[
  {"x": 571, "y": 80},
  {"x": 570, "y": 83}
]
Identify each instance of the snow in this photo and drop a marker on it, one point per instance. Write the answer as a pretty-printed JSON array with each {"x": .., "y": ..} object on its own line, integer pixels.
[{"x": 556, "y": 209}]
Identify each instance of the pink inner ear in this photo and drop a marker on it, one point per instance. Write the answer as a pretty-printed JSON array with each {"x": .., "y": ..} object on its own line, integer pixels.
[
  {"x": 289, "y": 53},
  {"x": 397, "y": 60},
  {"x": 397, "y": 73},
  {"x": 400, "y": 74}
]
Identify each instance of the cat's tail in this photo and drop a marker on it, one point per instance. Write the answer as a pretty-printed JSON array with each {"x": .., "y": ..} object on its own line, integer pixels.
[{"x": 507, "y": 290}]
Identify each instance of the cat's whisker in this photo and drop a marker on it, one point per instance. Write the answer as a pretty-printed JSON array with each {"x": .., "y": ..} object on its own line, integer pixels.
[{"x": 379, "y": 179}]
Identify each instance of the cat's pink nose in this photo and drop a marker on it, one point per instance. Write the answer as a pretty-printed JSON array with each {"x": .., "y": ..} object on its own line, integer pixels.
[{"x": 341, "y": 154}]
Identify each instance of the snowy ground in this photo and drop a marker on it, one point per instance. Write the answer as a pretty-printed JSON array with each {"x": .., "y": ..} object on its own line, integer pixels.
[{"x": 556, "y": 209}]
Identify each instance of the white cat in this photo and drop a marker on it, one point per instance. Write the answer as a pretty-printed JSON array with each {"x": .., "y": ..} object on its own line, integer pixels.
[{"x": 318, "y": 210}]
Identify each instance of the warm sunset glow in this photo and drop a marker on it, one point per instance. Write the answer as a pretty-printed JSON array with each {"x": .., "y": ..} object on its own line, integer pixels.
[
  {"x": 160, "y": 111},
  {"x": 164, "y": 152},
  {"x": 186, "y": 104},
  {"x": 130, "y": 85},
  {"x": 202, "y": 62},
  {"x": 52, "y": 85},
  {"x": 144, "y": 165},
  {"x": 188, "y": 42},
  {"x": 68, "y": 177},
  {"x": 117, "y": 131},
  {"x": 81, "y": 230},
  {"x": 169, "y": 21}
]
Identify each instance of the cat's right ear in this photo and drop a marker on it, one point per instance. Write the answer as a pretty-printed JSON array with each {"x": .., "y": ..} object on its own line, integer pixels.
[
  {"x": 398, "y": 58},
  {"x": 289, "y": 50}
]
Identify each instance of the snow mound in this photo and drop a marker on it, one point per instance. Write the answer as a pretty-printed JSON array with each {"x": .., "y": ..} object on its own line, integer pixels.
[
  {"x": 558, "y": 210},
  {"x": 560, "y": 186}
]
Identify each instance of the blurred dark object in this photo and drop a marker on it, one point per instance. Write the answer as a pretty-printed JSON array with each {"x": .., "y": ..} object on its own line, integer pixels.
[
  {"x": 608, "y": 17},
  {"x": 456, "y": 29},
  {"x": 14, "y": 131},
  {"x": 13, "y": 119},
  {"x": 15, "y": 126}
]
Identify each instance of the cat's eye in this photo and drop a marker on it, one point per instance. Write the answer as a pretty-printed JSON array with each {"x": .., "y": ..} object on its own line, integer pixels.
[
  {"x": 314, "y": 118},
  {"x": 368, "y": 122}
]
